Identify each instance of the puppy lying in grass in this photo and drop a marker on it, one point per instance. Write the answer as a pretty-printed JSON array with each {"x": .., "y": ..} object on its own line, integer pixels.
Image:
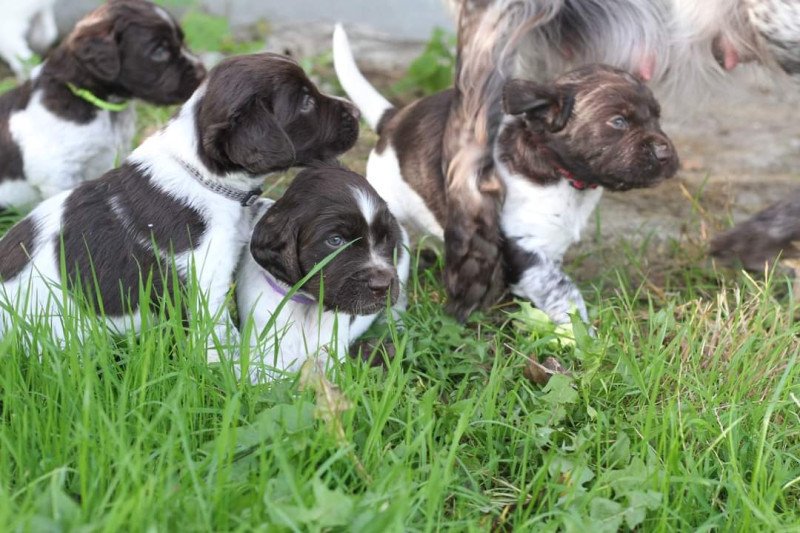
[
  {"x": 328, "y": 213},
  {"x": 558, "y": 147}
]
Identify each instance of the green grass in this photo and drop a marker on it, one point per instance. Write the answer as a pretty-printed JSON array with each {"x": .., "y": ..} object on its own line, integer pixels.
[{"x": 681, "y": 415}]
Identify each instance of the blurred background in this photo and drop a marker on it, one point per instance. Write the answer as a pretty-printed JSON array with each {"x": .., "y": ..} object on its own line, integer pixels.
[{"x": 409, "y": 19}]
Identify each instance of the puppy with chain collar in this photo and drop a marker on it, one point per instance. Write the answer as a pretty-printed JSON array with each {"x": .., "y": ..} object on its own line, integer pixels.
[
  {"x": 559, "y": 146},
  {"x": 184, "y": 193}
]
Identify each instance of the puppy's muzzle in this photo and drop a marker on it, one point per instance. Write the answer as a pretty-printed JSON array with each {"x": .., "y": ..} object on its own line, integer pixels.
[
  {"x": 349, "y": 107},
  {"x": 352, "y": 110},
  {"x": 665, "y": 154},
  {"x": 380, "y": 282}
]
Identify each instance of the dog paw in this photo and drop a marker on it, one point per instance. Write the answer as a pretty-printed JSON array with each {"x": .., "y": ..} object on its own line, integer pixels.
[
  {"x": 473, "y": 262},
  {"x": 368, "y": 350}
]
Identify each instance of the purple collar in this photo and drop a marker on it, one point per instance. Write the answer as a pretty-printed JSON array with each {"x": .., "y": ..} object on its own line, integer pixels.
[{"x": 296, "y": 297}]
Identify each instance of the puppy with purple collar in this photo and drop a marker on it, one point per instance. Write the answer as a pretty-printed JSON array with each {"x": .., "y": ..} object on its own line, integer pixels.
[
  {"x": 326, "y": 210},
  {"x": 72, "y": 121},
  {"x": 182, "y": 199},
  {"x": 558, "y": 147}
]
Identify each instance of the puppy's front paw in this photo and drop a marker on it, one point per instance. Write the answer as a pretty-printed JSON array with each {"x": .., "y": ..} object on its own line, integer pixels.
[
  {"x": 369, "y": 350},
  {"x": 560, "y": 308},
  {"x": 473, "y": 264}
]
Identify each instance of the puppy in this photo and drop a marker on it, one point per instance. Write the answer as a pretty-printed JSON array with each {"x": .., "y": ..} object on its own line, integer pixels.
[
  {"x": 683, "y": 46},
  {"x": 25, "y": 25},
  {"x": 324, "y": 211},
  {"x": 182, "y": 198},
  {"x": 558, "y": 147},
  {"x": 72, "y": 121}
]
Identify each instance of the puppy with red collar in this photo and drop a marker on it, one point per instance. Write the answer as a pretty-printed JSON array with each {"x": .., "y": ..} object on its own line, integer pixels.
[
  {"x": 180, "y": 205},
  {"x": 325, "y": 210},
  {"x": 558, "y": 147}
]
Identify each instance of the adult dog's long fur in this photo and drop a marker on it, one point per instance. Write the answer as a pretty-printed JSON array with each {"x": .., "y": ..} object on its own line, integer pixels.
[{"x": 679, "y": 45}]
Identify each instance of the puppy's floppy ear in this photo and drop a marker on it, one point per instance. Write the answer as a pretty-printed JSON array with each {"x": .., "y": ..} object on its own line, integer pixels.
[
  {"x": 238, "y": 129},
  {"x": 542, "y": 105},
  {"x": 257, "y": 143},
  {"x": 274, "y": 245},
  {"x": 94, "y": 45}
]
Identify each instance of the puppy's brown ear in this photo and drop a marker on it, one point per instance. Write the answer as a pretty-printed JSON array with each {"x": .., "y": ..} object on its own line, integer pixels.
[
  {"x": 274, "y": 245},
  {"x": 92, "y": 41},
  {"x": 542, "y": 105},
  {"x": 238, "y": 131},
  {"x": 257, "y": 143}
]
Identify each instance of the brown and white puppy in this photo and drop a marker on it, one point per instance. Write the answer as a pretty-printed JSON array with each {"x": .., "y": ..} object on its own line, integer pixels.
[
  {"x": 682, "y": 46},
  {"x": 182, "y": 198},
  {"x": 325, "y": 210},
  {"x": 71, "y": 121},
  {"x": 559, "y": 145}
]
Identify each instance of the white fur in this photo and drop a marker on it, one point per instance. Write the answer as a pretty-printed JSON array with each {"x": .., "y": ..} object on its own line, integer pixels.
[
  {"x": 58, "y": 154},
  {"x": 36, "y": 291},
  {"x": 366, "y": 204},
  {"x": 18, "y": 193},
  {"x": 20, "y": 18},
  {"x": 547, "y": 218},
  {"x": 363, "y": 94},
  {"x": 300, "y": 330},
  {"x": 408, "y": 207}
]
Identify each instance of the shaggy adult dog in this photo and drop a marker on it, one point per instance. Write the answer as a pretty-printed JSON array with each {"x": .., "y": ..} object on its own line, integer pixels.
[
  {"x": 71, "y": 121},
  {"x": 559, "y": 145},
  {"x": 180, "y": 199},
  {"x": 679, "y": 44},
  {"x": 324, "y": 210},
  {"x": 23, "y": 26}
]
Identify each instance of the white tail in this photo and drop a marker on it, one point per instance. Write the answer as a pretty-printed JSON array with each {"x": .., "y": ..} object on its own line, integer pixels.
[{"x": 368, "y": 100}]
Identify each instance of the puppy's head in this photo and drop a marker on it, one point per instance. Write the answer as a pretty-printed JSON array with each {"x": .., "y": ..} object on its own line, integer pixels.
[
  {"x": 260, "y": 113},
  {"x": 133, "y": 48},
  {"x": 777, "y": 23},
  {"x": 598, "y": 123},
  {"x": 324, "y": 210}
]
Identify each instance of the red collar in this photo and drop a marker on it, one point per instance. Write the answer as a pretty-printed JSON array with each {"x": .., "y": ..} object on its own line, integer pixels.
[{"x": 576, "y": 184}]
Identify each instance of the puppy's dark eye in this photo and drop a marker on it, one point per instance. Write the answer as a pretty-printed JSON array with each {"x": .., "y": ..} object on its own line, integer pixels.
[
  {"x": 160, "y": 53},
  {"x": 618, "y": 123},
  {"x": 307, "y": 104},
  {"x": 335, "y": 241}
]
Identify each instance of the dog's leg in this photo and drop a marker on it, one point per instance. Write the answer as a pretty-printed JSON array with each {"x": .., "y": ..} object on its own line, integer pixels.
[
  {"x": 225, "y": 331},
  {"x": 15, "y": 51},
  {"x": 536, "y": 277},
  {"x": 211, "y": 265},
  {"x": 17, "y": 193},
  {"x": 488, "y": 31},
  {"x": 43, "y": 30}
]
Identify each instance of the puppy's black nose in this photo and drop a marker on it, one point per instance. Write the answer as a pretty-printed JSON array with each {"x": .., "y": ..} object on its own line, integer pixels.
[
  {"x": 663, "y": 151},
  {"x": 353, "y": 110},
  {"x": 379, "y": 282}
]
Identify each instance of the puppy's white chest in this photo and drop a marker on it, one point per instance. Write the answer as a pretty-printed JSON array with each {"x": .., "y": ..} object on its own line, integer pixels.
[
  {"x": 58, "y": 154},
  {"x": 547, "y": 218}
]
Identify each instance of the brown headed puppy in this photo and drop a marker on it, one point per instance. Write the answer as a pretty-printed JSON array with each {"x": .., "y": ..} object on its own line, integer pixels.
[{"x": 559, "y": 145}]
